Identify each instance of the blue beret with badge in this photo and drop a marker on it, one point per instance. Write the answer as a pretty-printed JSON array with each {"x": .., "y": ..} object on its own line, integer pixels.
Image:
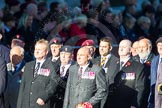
[{"x": 67, "y": 48}]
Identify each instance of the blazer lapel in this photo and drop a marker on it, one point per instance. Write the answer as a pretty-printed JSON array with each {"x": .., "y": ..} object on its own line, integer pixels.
[
  {"x": 76, "y": 74},
  {"x": 128, "y": 63}
]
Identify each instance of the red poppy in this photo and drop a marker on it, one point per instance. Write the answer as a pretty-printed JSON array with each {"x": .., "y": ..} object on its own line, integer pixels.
[
  {"x": 84, "y": 105},
  {"x": 148, "y": 63},
  {"x": 128, "y": 64}
]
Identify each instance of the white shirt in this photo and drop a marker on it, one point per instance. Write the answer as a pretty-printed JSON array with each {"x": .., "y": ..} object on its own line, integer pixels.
[{"x": 55, "y": 58}]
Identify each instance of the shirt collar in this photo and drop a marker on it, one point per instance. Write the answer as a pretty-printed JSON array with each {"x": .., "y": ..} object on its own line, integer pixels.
[
  {"x": 108, "y": 56},
  {"x": 55, "y": 58},
  {"x": 124, "y": 60},
  {"x": 41, "y": 61}
]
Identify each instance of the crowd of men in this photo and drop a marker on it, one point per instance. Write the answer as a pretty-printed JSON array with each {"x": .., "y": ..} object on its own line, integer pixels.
[
  {"x": 62, "y": 58},
  {"x": 56, "y": 80}
]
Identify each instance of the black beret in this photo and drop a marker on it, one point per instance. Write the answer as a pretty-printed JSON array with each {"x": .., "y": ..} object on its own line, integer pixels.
[
  {"x": 56, "y": 40},
  {"x": 159, "y": 40}
]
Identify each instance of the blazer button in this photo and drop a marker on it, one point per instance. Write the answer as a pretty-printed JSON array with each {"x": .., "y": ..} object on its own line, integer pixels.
[
  {"x": 32, "y": 82},
  {"x": 31, "y": 93}
]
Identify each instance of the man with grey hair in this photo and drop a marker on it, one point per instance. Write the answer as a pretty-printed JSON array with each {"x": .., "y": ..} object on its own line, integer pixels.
[
  {"x": 128, "y": 82},
  {"x": 145, "y": 57},
  {"x": 144, "y": 51},
  {"x": 14, "y": 73}
]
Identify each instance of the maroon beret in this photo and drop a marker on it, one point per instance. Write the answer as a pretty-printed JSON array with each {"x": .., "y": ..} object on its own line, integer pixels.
[{"x": 88, "y": 42}]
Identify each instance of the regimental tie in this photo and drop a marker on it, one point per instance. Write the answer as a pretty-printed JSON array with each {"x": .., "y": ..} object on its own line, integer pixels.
[
  {"x": 80, "y": 72},
  {"x": 103, "y": 61},
  {"x": 62, "y": 71},
  {"x": 36, "y": 69}
]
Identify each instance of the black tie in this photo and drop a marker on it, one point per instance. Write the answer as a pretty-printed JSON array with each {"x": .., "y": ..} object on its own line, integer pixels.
[{"x": 36, "y": 69}]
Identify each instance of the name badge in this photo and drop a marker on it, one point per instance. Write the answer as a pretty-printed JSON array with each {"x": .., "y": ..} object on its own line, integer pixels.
[
  {"x": 128, "y": 76},
  {"x": 44, "y": 72}
]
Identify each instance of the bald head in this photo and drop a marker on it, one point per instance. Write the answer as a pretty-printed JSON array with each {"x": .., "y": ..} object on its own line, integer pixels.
[
  {"x": 83, "y": 56},
  {"x": 125, "y": 48},
  {"x": 126, "y": 42}
]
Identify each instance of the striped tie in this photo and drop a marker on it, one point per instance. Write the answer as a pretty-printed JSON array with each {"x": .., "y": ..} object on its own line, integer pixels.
[
  {"x": 36, "y": 69},
  {"x": 62, "y": 71},
  {"x": 103, "y": 61}
]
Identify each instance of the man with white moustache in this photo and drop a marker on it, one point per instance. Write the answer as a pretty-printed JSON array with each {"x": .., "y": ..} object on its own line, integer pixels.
[{"x": 145, "y": 57}]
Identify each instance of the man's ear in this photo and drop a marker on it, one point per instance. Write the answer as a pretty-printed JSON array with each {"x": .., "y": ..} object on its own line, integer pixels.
[
  {"x": 111, "y": 47},
  {"x": 47, "y": 52},
  {"x": 89, "y": 56},
  {"x": 150, "y": 48}
]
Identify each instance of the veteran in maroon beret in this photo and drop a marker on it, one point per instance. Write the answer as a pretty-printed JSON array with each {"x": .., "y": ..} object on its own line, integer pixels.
[{"x": 90, "y": 44}]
